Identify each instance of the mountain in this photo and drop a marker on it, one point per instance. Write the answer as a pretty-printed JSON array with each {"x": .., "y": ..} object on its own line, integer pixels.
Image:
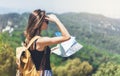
[
  {"x": 12, "y": 21},
  {"x": 94, "y": 29},
  {"x": 91, "y": 29},
  {"x": 95, "y": 23}
]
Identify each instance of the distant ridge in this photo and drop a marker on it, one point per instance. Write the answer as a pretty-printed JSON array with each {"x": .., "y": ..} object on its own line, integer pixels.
[{"x": 91, "y": 29}]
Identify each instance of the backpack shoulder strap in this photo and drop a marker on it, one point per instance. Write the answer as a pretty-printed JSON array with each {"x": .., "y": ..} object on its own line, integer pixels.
[{"x": 31, "y": 41}]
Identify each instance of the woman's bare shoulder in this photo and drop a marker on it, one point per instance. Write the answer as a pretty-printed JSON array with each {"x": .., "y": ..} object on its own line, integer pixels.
[
  {"x": 46, "y": 41},
  {"x": 40, "y": 43}
]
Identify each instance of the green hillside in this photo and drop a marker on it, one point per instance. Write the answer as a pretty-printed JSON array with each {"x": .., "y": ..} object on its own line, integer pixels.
[{"x": 99, "y": 35}]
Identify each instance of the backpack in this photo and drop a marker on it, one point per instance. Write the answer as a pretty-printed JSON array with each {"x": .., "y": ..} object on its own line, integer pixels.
[{"x": 25, "y": 65}]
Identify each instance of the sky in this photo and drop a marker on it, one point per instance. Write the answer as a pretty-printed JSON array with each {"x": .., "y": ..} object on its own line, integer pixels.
[{"x": 109, "y": 8}]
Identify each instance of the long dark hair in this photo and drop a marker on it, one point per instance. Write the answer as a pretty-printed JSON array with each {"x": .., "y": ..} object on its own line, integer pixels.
[{"x": 34, "y": 24}]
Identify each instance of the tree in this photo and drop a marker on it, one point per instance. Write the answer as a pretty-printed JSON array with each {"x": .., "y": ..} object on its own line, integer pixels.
[
  {"x": 7, "y": 60},
  {"x": 73, "y": 68},
  {"x": 108, "y": 69}
]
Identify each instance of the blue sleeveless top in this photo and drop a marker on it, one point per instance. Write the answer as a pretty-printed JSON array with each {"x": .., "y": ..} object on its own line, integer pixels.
[{"x": 37, "y": 58}]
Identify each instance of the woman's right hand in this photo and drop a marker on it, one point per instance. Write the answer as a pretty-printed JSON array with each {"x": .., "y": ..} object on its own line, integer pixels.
[{"x": 52, "y": 18}]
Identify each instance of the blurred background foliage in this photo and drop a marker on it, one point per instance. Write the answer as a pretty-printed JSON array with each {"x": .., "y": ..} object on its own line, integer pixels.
[{"x": 99, "y": 35}]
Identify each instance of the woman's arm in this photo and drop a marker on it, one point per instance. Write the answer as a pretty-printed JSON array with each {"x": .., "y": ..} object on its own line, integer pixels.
[{"x": 55, "y": 40}]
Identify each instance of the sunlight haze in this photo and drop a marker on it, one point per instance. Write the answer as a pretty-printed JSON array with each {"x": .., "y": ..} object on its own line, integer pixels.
[{"x": 109, "y": 8}]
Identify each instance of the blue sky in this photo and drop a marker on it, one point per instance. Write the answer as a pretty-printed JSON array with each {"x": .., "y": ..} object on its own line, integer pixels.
[{"x": 110, "y": 8}]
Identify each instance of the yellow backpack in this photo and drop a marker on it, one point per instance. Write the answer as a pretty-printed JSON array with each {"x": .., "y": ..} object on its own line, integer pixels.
[{"x": 25, "y": 65}]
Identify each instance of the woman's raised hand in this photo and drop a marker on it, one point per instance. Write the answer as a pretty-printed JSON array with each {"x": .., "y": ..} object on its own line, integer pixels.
[{"x": 52, "y": 18}]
